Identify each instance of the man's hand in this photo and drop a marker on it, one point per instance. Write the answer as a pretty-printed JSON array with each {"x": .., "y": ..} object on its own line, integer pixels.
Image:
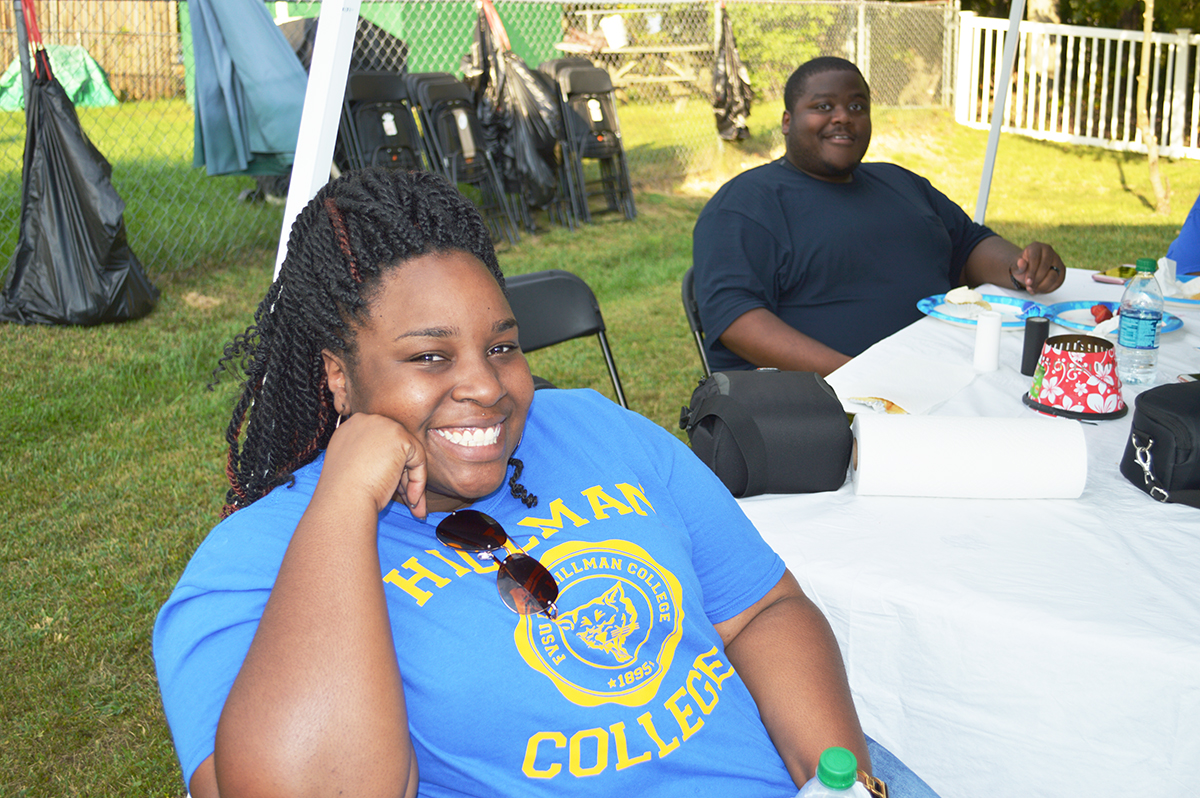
[
  {"x": 1036, "y": 269},
  {"x": 1039, "y": 269}
]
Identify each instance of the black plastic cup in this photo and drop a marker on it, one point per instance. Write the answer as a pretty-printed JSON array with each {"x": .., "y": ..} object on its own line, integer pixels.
[{"x": 1036, "y": 330}]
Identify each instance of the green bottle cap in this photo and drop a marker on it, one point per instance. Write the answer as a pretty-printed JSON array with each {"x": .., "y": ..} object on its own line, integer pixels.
[
  {"x": 837, "y": 768},
  {"x": 1147, "y": 265}
]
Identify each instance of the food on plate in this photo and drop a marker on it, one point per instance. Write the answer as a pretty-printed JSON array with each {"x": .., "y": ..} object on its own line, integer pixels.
[
  {"x": 879, "y": 404},
  {"x": 966, "y": 296},
  {"x": 1101, "y": 313}
]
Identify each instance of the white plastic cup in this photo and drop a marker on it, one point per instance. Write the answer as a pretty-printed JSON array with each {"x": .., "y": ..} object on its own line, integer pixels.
[{"x": 987, "y": 341}]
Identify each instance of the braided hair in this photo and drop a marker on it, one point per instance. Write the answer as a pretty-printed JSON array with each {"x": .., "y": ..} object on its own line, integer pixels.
[{"x": 356, "y": 229}]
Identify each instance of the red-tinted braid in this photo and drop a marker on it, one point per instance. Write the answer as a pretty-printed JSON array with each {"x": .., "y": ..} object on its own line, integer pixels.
[{"x": 339, "y": 230}]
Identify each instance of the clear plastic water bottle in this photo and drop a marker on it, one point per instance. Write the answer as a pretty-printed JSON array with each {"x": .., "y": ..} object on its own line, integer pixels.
[
  {"x": 1137, "y": 333},
  {"x": 836, "y": 772}
]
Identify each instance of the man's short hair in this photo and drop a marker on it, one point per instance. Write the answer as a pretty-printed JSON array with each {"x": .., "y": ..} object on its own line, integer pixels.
[{"x": 826, "y": 63}]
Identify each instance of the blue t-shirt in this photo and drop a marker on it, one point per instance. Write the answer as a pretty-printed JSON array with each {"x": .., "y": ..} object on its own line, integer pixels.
[
  {"x": 844, "y": 263},
  {"x": 1185, "y": 249},
  {"x": 628, "y": 690}
]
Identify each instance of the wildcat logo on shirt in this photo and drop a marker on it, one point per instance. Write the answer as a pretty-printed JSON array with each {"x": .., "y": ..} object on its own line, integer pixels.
[{"x": 619, "y": 622}]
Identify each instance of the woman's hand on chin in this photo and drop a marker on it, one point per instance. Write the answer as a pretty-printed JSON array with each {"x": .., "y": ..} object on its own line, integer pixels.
[{"x": 375, "y": 458}]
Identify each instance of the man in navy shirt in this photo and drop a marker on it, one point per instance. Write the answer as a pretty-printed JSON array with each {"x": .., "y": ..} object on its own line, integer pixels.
[{"x": 807, "y": 261}]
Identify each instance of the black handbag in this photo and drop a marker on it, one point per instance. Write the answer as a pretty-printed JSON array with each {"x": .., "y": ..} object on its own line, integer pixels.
[
  {"x": 1162, "y": 456},
  {"x": 769, "y": 431}
]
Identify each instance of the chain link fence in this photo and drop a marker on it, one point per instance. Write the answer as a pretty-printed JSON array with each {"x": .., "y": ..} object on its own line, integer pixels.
[{"x": 659, "y": 54}]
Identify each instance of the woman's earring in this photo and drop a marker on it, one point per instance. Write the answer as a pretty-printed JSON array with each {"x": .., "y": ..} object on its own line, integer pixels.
[{"x": 338, "y": 423}]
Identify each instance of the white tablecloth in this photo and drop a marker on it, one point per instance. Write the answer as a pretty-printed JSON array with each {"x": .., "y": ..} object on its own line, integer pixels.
[{"x": 1015, "y": 648}]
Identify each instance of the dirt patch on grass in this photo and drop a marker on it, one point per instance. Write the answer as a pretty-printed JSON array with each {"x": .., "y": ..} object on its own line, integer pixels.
[
  {"x": 888, "y": 145},
  {"x": 199, "y": 301}
]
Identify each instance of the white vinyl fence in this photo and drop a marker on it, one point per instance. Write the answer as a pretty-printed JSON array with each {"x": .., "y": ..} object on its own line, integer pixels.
[{"x": 1079, "y": 85}]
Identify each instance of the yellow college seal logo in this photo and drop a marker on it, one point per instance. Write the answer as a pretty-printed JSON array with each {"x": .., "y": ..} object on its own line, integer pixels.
[{"x": 619, "y": 620}]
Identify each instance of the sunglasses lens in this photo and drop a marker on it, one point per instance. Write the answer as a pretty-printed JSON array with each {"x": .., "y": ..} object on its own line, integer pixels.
[
  {"x": 525, "y": 585},
  {"x": 471, "y": 530}
]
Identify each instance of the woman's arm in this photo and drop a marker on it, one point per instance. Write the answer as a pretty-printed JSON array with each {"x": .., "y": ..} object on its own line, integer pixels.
[
  {"x": 318, "y": 705},
  {"x": 786, "y": 654}
]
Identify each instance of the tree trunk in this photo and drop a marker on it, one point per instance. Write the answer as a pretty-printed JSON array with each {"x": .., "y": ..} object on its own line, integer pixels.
[
  {"x": 1162, "y": 203},
  {"x": 1042, "y": 11}
]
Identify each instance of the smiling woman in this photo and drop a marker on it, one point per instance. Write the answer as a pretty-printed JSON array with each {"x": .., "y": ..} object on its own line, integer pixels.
[
  {"x": 332, "y": 634},
  {"x": 448, "y": 369}
]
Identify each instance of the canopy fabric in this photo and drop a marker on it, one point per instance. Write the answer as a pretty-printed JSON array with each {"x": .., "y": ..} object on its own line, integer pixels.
[
  {"x": 81, "y": 77},
  {"x": 249, "y": 89}
]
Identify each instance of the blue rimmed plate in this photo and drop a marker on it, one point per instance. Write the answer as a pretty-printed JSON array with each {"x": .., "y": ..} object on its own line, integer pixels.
[
  {"x": 1078, "y": 316},
  {"x": 1183, "y": 303},
  {"x": 1013, "y": 310}
]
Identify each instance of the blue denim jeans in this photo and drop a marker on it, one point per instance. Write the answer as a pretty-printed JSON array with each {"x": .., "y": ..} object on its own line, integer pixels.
[{"x": 901, "y": 782}]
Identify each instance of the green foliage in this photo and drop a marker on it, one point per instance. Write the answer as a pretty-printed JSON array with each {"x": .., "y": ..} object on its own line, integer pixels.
[
  {"x": 773, "y": 40},
  {"x": 1168, "y": 14},
  {"x": 1126, "y": 14}
]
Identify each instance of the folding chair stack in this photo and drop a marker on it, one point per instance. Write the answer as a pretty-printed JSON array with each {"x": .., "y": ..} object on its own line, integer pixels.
[
  {"x": 430, "y": 121},
  {"x": 593, "y": 133},
  {"x": 378, "y": 128},
  {"x": 552, "y": 67},
  {"x": 454, "y": 143}
]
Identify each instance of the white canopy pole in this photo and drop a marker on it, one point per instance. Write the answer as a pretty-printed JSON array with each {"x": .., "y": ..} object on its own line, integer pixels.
[
  {"x": 322, "y": 110},
  {"x": 1004, "y": 80}
]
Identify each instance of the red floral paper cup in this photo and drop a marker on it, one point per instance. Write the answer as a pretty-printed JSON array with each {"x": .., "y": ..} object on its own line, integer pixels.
[{"x": 1076, "y": 377}]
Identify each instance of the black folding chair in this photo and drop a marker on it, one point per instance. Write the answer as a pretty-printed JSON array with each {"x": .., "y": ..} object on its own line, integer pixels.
[
  {"x": 555, "y": 65},
  {"x": 561, "y": 208},
  {"x": 553, "y": 306},
  {"x": 454, "y": 140},
  {"x": 594, "y": 133},
  {"x": 378, "y": 128},
  {"x": 567, "y": 163},
  {"x": 691, "y": 309}
]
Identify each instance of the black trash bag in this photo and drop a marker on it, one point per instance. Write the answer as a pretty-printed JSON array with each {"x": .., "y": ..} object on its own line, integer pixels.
[
  {"x": 72, "y": 264},
  {"x": 518, "y": 110},
  {"x": 732, "y": 93},
  {"x": 536, "y": 128}
]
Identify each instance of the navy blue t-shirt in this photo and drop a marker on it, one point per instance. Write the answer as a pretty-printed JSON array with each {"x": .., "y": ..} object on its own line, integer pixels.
[{"x": 844, "y": 263}]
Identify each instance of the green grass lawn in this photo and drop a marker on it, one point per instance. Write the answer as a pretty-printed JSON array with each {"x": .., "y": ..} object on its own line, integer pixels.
[
  {"x": 113, "y": 452},
  {"x": 176, "y": 216}
]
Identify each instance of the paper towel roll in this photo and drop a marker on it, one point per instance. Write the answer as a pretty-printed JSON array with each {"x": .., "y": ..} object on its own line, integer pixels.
[{"x": 969, "y": 458}]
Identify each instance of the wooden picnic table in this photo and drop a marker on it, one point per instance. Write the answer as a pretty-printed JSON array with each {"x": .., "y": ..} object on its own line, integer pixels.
[{"x": 689, "y": 65}]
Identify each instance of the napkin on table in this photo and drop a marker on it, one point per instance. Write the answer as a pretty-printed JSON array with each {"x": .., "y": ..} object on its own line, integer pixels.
[
  {"x": 1170, "y": 283},
  {"x": 912, "y": 384}
]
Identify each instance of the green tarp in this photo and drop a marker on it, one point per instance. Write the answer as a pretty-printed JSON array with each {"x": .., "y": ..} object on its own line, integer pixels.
[
  {"x": 439, "y": 33},
  {"x": 80, "y": 75}
]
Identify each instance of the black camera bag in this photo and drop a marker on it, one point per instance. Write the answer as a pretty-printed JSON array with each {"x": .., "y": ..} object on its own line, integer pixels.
[
  {"x": 769, "y": 431},
  {"x": 1162, "y": 456}
]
